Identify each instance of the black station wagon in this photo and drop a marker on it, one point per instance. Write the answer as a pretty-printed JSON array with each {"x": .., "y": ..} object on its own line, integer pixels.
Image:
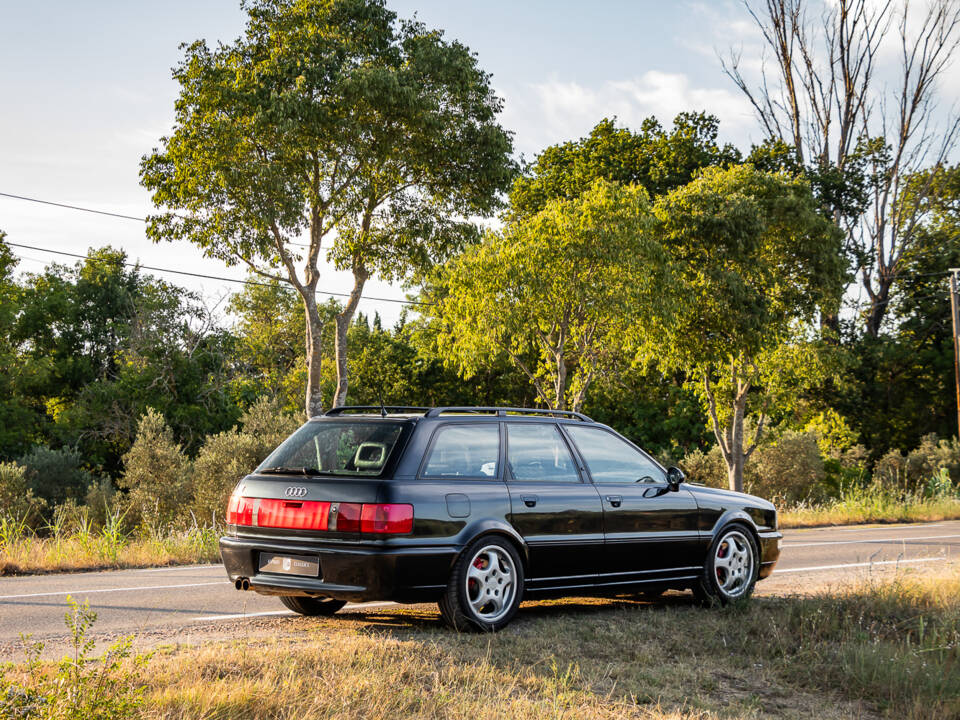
[{"x": 479, "y": 508}]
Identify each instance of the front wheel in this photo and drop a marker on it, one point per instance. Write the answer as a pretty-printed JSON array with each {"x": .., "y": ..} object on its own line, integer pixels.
[
  {"x": 312, "y": 607},
  {"x": 730, "y": 572},
  {"x": 485, "y": 587}
]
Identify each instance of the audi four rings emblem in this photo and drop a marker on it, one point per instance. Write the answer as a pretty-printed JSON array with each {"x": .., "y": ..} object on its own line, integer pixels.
[{"x": 295, "y": 491}]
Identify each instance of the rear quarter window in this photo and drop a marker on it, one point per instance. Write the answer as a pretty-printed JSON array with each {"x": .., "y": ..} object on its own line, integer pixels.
[{"x": 464, "y": 451}]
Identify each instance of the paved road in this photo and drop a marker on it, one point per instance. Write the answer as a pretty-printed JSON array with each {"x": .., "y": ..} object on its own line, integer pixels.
[{"x": 173, "y": 603}]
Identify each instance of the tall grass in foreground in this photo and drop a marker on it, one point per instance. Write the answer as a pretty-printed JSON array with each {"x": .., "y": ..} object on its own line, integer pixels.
[
  {"x": 877, "y": 503},
  {"x": 89, "y": 546},
  {"x": 881, "y": 649}
]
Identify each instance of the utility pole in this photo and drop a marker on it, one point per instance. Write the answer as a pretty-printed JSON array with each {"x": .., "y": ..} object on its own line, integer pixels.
[{"x": 955, "y": 316}]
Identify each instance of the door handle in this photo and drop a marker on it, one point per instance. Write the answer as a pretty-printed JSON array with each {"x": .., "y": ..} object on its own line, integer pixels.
[
  {"x": 614, "y": 500},
  {"x": 529, "y": 500}
]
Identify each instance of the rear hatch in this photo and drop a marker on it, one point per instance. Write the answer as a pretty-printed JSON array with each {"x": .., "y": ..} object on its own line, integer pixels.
[{"x": 324, "y": 481}]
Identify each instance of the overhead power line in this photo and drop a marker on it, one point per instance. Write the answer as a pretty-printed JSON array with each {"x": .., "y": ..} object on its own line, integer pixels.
[
  {"x": 91, "y": 210},
  {"x": 213, "y": 277}
]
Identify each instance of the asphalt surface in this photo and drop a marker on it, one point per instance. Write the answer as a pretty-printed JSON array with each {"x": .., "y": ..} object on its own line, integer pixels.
[{"x": 177, "y": 604}]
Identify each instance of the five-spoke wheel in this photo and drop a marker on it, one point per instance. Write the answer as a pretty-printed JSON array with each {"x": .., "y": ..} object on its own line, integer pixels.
[
  {"x": 485, "y": 587},
  {"x": 731, "y": 569}
]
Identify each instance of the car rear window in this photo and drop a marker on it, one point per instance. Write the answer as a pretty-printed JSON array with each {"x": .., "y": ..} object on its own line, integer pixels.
[
  {"x": 464, "y": 450},
  {"x": 335, "y": 448}
]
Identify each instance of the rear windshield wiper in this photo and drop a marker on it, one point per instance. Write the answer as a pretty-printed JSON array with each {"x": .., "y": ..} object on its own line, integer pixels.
[{"x": 291, "y": 471}]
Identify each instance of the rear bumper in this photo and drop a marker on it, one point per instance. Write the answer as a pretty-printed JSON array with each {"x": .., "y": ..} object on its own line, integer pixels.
[
  {"x": 355, "y": 572},
  {"x": 769, "y": 552}
]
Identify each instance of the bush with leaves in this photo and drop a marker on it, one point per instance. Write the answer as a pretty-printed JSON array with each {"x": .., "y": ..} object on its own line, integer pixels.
[
  {"x": 82, "y": 688},
  {"x": 228, "y": 456},
  {"x": 788, "y": 470},
  {"x": 56, "y": 476},
  {"x": 708, "y": 468},
  {"x": 157, "y": 475},
  {"x": 17, "y": 500}
]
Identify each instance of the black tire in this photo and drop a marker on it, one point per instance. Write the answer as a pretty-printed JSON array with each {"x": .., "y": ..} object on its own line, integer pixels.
[
  {"x": 485, "y": 587},
  {"x": 722, "y": 585},
  {"x": 312, "y": 607}
]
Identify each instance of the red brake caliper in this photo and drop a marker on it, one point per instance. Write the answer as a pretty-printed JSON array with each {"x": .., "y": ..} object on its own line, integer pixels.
[
  {"x": 479, "y": 564},
  {"x": 722, "y": 552}
]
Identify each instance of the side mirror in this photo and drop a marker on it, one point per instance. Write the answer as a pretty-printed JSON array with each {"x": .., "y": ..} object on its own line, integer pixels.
[{"x": 675, "y": 476}]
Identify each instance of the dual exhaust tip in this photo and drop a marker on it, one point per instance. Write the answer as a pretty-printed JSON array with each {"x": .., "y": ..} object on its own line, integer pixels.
[{"x": 242, "y": 583}]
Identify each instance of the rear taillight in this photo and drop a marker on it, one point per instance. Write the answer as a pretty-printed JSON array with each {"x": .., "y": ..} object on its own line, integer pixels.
[
  {"x": 386, "y": 518},
  {"x": 240, "y": 510},
  {"x": 348, "y": 518},
  {"x": 293, "y": 514},
  {"x": 380, "y": 518}
]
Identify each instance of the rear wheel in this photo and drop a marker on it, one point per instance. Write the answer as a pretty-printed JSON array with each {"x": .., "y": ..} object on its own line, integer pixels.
[
  {"x": 731, "y": 569},
  {"x": 312, "y": 606},
  {"x": 485, "y": 587}
]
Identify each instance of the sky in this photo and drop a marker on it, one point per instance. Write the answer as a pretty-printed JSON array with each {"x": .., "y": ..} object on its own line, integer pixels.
[{"x": 86, "y": 91}]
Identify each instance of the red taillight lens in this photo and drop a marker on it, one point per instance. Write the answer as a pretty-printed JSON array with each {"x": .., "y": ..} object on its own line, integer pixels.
[
  {"x": 293, "y": 515},
  {"x": 240, "y": 510},
  {"x": 348, "y": 517},
  {"x": 382, "y": 518},
  {"x": 386, "y": 518}
]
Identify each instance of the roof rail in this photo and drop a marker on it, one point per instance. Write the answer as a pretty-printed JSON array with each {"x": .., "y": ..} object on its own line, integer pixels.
[
  {"x": 394, "y": 409},
  {"x": 502, "y": 411}
]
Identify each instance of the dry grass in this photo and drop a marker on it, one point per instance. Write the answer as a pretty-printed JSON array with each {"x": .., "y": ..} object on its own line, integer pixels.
[
  {"x": 885, "y": 648},
  {"x": 882, "y": 649},
  {"x": 871, "y": 508},
  {"x": 28, "y": 553}
]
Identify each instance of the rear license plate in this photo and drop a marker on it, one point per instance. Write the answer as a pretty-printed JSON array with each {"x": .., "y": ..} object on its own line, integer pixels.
[{"x": 308, "y": 565}]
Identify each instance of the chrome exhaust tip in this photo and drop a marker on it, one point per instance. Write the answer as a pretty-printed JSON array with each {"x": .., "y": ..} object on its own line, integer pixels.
[{"x": 242, "y": 583}]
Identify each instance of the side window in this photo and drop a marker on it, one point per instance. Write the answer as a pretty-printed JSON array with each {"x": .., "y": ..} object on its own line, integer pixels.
[
  {"x": 611, "y": 459},
  {"x": 535, "y": 451},
  {"x": 464, "y": 450}
]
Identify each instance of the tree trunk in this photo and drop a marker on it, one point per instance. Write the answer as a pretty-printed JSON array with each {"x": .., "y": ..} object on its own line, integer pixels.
[
  {"x": 343, "y": 319},
  {"x": 736, "y": 458},
  {"x": 314, "y": 400},
  {"x": 879, "y": 300}
]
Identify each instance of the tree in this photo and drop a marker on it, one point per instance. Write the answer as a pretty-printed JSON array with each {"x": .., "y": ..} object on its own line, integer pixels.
[
  {"x": 555, "y": 293},
  {"x": 824, "y": 100},
  {"x": 752, "y": 261},
  {"x": 328, "y": 118},
  {"x": 653, "y": 158}
]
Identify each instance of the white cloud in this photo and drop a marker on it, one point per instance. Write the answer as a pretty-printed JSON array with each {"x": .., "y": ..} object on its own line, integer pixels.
[{"x": 547, "y": 113}]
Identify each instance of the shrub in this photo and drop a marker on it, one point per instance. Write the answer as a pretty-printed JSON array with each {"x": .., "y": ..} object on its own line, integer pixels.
[
  {"x": 82, "y": 687},
  {"x": 931, "y": 457},
  {"x": 56, "y": 476},
  {"x": 17, "y": 500},
  {"x": 708, "y": 467},
  {"x": 788, "y": 470},
  {"x": 157, "y": 474},
  {"x": 226, "y": 457}
]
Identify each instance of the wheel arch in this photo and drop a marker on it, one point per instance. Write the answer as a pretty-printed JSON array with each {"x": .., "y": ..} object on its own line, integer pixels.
[
  {"x": 736, "y": 517},
  {"x": 487, "y": 528}
]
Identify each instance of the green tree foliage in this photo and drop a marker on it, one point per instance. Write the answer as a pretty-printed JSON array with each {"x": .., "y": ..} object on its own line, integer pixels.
[
  {"x": 752, "y": 262},
  {"x": 57, "y": 476},
  {"x": 157, "y": 475},
  {"x": 98, "y": 343},
  {"x": 556, "y": 292},
  {"x": 653, "y": 158},
  {"x": 328, "y": 119},
  {"x": 17, "y": 500}
]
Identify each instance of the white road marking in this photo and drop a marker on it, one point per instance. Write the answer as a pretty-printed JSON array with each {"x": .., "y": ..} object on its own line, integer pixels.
[
  {"x": 862, "y": 528},
  {"x": 180, "y": 567},
  {"x": 240, "y": 616},
  {"x": 863, "y": 564},
  {"x": 873, "y": 540},
  {"x": 80, "y": 593}
]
